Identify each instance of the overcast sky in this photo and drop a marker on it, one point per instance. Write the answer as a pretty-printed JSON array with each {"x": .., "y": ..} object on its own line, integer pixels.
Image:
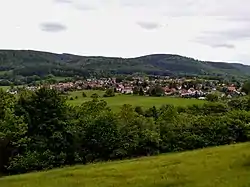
[{"x": 216, "y": 30}]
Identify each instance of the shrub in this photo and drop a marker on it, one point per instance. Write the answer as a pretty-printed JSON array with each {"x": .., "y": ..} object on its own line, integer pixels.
[
  {"x": 109, "y": 93},
  {"x": 94, "y": 96},
  {"x": 84, "y": 94},
  {"x": 212, "y": 97},
  {"x": 139, "y": 110}
]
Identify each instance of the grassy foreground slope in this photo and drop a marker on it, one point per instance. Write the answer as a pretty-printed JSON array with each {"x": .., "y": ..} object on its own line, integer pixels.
[{"x": 226, "y": 166}]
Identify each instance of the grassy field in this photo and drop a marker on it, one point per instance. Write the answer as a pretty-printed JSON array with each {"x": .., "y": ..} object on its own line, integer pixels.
[
  {"x": 5, "y": 72},
  {"x": 4, "y": 87},
  {"x": 143, "y": 101},
  {"x": 8, "y": 87},
  {"x": 116, "y": 102},
  {"x": 226, "y": 166}
]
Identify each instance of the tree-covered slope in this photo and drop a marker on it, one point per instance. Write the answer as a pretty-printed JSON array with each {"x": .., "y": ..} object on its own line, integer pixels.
[
  {"x": 221, "y": 166},
  {"x": 29, "y": 63}
]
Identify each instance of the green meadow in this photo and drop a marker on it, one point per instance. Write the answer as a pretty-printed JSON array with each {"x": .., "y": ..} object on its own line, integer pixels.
[
  {"x": 4, "y": 87},
  {"x": 225, "y": 166},
  {"x": 121, "y": 99}
]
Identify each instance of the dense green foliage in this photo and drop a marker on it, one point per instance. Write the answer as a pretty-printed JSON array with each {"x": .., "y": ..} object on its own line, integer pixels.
[
  {"x": 42, "y": 131},
  {"x": 212, "y": 97},
  {"x": 156, "y": 91},
  {"x": 246, "y": 87},
  {"x": 221, "y": 166},
  {"x": 21, "y": 67},
  {"x": 109, "y": 93},
  {"x": 84, "y": 94}
]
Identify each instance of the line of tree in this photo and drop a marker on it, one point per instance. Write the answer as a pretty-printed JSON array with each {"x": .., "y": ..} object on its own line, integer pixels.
[{"x": 39, "y": 130}]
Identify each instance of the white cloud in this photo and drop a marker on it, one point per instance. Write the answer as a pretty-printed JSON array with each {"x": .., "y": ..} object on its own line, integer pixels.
[
  {"x": 63, "y": 1},
  {"x": 148, "y": 25},
  {"x": 52, "y": 27},
  {"x": 208, "y": 30}
]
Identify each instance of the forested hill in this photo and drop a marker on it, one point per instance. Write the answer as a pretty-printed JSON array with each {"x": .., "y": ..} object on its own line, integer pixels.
[{"x": 24, "y": 63}]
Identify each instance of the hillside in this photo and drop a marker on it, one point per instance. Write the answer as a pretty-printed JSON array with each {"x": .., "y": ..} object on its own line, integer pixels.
[
  {"x": 221, "y": 166},
  {"x": 24, "y": 63}
]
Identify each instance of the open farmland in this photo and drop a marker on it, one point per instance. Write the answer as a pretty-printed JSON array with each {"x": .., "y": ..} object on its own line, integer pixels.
[{"x": 143, "y": 101}]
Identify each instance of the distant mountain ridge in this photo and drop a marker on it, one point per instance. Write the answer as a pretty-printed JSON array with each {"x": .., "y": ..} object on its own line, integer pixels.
[{"x": 29, "y": 63}]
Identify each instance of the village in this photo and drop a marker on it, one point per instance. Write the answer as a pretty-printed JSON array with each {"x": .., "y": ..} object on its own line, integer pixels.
[{"x": 181, "y": 87}]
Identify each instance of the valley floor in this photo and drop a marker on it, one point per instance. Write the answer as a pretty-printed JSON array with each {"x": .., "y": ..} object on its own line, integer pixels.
[{"x": 226, "y": 166}]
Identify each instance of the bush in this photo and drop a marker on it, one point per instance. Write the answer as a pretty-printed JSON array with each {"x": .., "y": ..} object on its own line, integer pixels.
[
  {"x": 141, "y": 92},
  {"x": 212, "y": 97},
  {"x": 84, "y": 94},
  {"x": 139, "y": 110},
  {"x": 156, "y": 91},
  {"x": 95, "y": 96},
  {"x": 246, "y": 87},
  {"x": 109, "y": 93}
]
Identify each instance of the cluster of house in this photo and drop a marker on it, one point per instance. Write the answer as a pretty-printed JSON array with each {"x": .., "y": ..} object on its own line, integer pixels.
[
  {"x": 182, "y": 88},
  {"x": 171, "y": 87},
  {"x": 15, "y": 90},
  {"x": 84, "y": 84}
]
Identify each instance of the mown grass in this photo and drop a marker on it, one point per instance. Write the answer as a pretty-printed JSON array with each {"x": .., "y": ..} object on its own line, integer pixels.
[
  {"x": 143, "y": 101},
  {"x": 226, "y": 166}
]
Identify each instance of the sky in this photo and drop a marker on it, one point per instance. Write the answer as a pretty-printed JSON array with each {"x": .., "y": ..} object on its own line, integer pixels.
[{"x": 215, "y": 30}]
